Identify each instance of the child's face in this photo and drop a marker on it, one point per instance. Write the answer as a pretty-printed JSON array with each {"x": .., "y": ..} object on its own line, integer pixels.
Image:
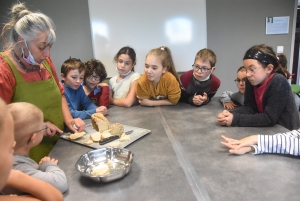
[
  {"x": 74, "y": 79},
  {"x": 256, "y": 73},
  {"x": 92, "y": 81},
  {"x": 7, "y": 143},
  {"x": 241, "y": 77},
  {"x": 124, "y": 63},
  {"x": 206, "y": 69},
  {"x": 153, "y": 68}
]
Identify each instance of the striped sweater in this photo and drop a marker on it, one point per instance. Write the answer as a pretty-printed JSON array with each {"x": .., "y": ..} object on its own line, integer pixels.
[{"x": 281, "y": 143}]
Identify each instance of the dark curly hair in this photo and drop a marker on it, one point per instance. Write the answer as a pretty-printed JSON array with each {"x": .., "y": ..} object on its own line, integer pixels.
[{"x": 96, "y": 66}]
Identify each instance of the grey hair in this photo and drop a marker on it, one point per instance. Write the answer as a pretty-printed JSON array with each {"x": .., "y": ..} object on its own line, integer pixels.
[{"x": 29, "y": 24}]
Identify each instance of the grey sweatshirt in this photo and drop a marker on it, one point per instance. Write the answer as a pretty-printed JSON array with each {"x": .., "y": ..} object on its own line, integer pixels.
[{"x": 47, "y": 171}]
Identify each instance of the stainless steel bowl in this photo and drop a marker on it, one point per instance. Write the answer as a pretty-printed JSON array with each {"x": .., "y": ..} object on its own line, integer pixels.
[{"x": 121, "y": 160}]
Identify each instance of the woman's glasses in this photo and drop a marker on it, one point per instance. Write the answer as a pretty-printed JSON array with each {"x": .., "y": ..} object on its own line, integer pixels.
[{"x": 96, "y": 77}]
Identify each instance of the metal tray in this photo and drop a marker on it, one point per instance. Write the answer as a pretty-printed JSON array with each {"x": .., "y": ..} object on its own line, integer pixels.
[
  {"x": 135, "y": 135},
  {"x": 121, "y": 160}
]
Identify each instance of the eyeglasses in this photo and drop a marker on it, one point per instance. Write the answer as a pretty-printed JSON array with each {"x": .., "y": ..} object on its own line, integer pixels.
[
  {"x": 96, "y": 77},
  {"x": 45, "y": 128},
  {"x": 202, "y": 69},
  {"x": 251, "y": 71},
  {"x": 237, "y": 81}
]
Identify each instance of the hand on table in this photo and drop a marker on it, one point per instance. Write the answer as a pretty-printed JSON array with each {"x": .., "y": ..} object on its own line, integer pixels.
[
  {"x": 48, "y": 159},
  {"x": 144, "y": 101},
  {"x": 229, "y": 105},
  {"x": 102, "y": 110},
  {"x": 199, "y": 100},
  {"x": 225, "y": 118},
  {"x": 240, "y": 146}
]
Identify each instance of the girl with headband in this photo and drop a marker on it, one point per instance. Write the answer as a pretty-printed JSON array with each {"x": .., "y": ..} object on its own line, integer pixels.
[
  {"x": 123, "y": 85},
  {"x": 268, "y": 96}
]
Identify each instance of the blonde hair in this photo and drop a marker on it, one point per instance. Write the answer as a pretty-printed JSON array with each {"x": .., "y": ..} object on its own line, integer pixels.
[
  {"x": 25, "y": 116},
  {"x": 207, "y": 54},
  {"x": 27, "y": 24},
  {"x": 164, "y": 53}
]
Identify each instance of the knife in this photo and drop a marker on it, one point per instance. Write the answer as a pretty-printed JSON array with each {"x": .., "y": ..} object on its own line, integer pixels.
[{"x": 112, "y": 138}]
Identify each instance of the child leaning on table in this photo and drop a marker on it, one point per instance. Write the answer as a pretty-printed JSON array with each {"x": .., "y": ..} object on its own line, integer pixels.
[
  {"x": 72, "y": 74},
  {"x": 29, "y": 130},
  {"x": 123, "y": 85},
  {"x": 159, "y": 85},
  {"x": 94, "y": 88},
  {"x": 230, "y": 99},
  {"x": 199, "y": 85},
  {"x": 268, "y": 96},
  {"x": 280, "y": 143},
  {"x": 36, "y": 188}
]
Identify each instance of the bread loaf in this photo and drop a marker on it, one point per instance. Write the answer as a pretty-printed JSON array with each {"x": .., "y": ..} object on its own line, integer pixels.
[
  {"x": 95, "y": 137},
  {"x": 124, "y": 137},
  {"x": 99, "y": 122},
  {"x": 117, "y": 129}
]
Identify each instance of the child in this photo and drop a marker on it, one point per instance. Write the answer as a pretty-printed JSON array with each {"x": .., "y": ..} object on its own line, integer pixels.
[
  {"x": 72, "y": 74},
  {"x": 230, "y": 99},
  {"x": 28, "y": 121},
  {"x": 123, "y": 85},
  {"x": 14, "y": 178},
  {"x": 94, "y": 75},
  {"x": 283, "y": 61},
  {"x": 281, "y": 143},
  {"x": 268, "y": 95},
  {"x": 159, "y": 85},
  {"x": 199, "y": 85}
]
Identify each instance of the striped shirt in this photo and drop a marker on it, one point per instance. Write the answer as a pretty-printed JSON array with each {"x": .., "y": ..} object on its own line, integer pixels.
[{"x": 281, "y": 143}]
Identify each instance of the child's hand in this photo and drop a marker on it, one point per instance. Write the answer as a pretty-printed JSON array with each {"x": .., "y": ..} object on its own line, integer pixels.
[
  {"x": 199, "y": 100},
  {"x": 145, "y": 102},
  {"x": 225, "y": 118},
  {"x": 102, "y": 110},
  {"x": 229, "y": 105},
  {"x": 48, "y": 159},
  {"x": 102, "y": 84},
  {"x": 240, "y": 146}
]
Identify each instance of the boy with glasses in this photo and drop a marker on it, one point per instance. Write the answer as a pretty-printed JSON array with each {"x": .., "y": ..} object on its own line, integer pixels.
[
  {"x": 230, "y": 99},
  {"x": 80, "y": 106},
  {"x": 94, "y": 88},
  {"x": 29, "y": 130},
  {"x": 199, "y": 85}
]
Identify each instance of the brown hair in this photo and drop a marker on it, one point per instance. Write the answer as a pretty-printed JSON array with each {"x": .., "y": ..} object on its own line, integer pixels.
[
  {"x": 130, "y": 52},
  {"x": 96, "y": 66},
  {"x": 72, "y": 64},
  {"x": 164, "y": 53},
  {"x": 242, "y": 68},
  {"x": 207, "y": 54}
]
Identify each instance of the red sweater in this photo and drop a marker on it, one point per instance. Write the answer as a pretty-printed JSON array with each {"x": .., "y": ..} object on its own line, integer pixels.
[{"x": 101, "y": 98}]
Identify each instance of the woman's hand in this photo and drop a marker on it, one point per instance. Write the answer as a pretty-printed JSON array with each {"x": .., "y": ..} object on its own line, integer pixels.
[
  {"x": 52, "y": 129},
  {"x": 75, "y": 125}
]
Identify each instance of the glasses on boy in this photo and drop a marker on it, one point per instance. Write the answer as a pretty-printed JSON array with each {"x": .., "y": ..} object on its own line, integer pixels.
[
  {"x": 238, "y": 81},
  {"x": 202, "y": 69},
  {"x": 96, "y": 77},
  {"x": 45, "y": 128}
]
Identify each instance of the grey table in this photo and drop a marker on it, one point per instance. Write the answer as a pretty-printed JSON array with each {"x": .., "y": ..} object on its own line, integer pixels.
[{"x": 182, "y": 159}]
